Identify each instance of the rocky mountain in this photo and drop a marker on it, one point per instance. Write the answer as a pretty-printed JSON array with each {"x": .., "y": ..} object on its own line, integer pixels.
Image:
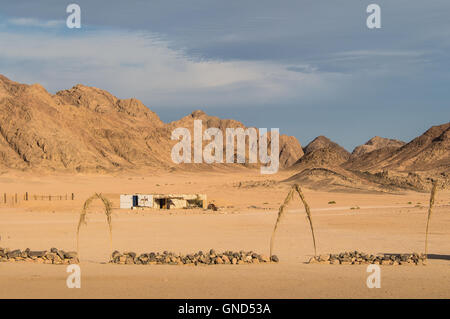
[
  {"x": 376, "y": 143},
  {"x": 323, "y": 142},
  {"x": 428, "y": 152},
  {"x": 379, "y": 165},
  {"x": 87, "y": 129},
  {"x": 289, "y": 147},
  {"x": 322, "y": 157}
]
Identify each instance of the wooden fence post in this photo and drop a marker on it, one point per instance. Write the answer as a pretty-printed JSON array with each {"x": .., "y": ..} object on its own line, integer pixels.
[
  {"x": 73, "y": 196},
  {"x": 26, "y": 196}
]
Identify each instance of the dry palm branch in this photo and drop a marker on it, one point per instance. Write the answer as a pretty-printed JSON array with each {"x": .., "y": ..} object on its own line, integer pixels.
[
  {"x": 281, "y": 212},
  {"x": 108, "y": 210},
  {"x": 430, "y": 210}
]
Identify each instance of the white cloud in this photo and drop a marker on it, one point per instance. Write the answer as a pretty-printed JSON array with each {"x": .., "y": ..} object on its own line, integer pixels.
[
  {"x": 141, "y": 65},
  {"x": 30, "y": 22}
]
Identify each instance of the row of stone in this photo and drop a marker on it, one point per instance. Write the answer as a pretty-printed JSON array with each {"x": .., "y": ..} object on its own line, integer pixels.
[
  {"x": 198, "y": 258},
  {"x": 357, "y": 258},
  {"x": 53, "y": 256}
]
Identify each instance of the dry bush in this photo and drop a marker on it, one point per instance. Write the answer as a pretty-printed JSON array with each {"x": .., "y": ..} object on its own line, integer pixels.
[{"x": 281, "y": 213}]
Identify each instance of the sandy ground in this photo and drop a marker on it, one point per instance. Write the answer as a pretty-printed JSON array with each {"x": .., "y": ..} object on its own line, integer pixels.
[{"x": 385, "y": 223}]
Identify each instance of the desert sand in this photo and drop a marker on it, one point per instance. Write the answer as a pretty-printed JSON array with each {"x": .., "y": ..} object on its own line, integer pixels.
[{"x": 384, "y": 223}]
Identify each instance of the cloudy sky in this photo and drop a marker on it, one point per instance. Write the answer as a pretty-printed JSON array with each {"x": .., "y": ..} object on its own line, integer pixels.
[{"x": 308, "y": 67}]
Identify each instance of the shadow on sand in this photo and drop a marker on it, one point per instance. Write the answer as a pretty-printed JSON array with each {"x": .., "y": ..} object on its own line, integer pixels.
[{"x": 436, "y": 256}]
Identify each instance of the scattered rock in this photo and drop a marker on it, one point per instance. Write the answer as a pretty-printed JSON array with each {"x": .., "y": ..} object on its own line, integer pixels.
[
  {"x": 335, "y": 262},
  {"x": 210, "y": 258},
  {"x": 71, "y": 254},
  {"x": 359, "y": 258},
  {"x": 212, "y": 207},
  {"x": 53, "y": 256},
  {"x": 14, "y": 254},
  {"x": 37, "y": 254}
]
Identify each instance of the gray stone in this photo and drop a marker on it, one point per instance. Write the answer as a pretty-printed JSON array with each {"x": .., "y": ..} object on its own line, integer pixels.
[
  {"x": 14, "y": 254},
  {"x": 274, "y": 258},
  {"x": 37, "y": 254},
  {"x": 70, "y": 254}
]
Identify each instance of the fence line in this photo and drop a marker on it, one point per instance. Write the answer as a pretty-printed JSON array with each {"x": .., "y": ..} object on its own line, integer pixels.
[{"x": 14, "y": 198}]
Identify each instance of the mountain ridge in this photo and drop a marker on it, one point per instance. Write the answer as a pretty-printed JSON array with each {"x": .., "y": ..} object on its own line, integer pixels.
[{"x": 87, "y": 129}]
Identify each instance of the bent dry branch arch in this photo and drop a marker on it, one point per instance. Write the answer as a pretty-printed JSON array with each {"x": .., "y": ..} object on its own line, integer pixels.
[
  {"x": 108, "y": 209},
  {"x": 281, "y": 211},
  {"x": 430, "y": 210}
]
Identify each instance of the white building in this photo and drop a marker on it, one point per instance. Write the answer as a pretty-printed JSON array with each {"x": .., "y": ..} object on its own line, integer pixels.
[{"x": 162, "y": 201}]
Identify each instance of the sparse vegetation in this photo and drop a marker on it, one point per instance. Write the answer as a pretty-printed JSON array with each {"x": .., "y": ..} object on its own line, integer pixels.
[{"x": 331, "y": 202}]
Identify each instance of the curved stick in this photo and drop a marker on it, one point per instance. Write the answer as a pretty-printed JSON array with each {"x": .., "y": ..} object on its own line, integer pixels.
[
  {"x": 430, "y": 210},
  {"x": 108, "y": 209},
  {"x": 281, "y": 214},
  {"x": 308, "y": 215}
]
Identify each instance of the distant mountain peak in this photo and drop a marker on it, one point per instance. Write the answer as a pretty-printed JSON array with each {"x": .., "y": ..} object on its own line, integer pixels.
[
  {"x": 322, "y": 142},
  {"x": 376, "y": 143}
]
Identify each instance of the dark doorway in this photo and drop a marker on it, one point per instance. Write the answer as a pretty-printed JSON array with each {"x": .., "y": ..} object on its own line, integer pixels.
[{"x": 162, "y": 202}]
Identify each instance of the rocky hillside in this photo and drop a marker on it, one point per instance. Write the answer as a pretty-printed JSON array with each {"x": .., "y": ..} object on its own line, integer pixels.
[
  {"x": 89, "y": 130},
  {"x": 323, "y": 142},
  {"x": 376, "y": 143},
  {"x": 379, "y": 165},
  {"x": 428, "y": 152}
]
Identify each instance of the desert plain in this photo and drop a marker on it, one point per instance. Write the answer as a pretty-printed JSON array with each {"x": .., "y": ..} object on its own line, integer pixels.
[{"x": 368, "y": 221}]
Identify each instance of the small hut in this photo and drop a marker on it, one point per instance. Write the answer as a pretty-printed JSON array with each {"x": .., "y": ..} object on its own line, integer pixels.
[{"x": 163, "y": 201}]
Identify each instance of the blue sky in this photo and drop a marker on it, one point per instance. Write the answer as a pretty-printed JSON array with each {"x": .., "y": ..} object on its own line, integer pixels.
[{"x": 309, "y": 67}]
